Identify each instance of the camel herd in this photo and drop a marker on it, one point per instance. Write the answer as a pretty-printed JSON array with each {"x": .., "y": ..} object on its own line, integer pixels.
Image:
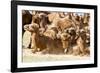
[{"x": 56, "y": 32}]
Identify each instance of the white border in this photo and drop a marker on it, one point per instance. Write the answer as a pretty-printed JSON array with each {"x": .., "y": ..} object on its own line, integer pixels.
[{"x": 19, "y": 36}]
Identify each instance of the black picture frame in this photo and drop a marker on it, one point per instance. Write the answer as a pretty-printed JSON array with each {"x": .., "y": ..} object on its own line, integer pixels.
[{"x": 14, "y": 5}]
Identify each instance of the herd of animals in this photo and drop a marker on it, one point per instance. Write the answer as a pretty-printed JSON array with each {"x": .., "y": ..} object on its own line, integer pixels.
[{"x": 57, "y": 32}]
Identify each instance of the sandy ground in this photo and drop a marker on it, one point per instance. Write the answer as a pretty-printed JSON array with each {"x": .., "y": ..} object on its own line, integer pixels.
[{"x": 28, "y": 57}]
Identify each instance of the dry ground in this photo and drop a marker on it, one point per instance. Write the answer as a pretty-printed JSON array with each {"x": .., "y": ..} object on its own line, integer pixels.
[{"x": 28, "y": 56}]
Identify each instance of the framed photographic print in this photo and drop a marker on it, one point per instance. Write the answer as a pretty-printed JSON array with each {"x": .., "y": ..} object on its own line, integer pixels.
[{"x": 52, "y": 36}]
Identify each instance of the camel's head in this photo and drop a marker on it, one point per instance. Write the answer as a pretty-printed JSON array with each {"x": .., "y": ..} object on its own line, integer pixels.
[{"x": 32, "y": 27}]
